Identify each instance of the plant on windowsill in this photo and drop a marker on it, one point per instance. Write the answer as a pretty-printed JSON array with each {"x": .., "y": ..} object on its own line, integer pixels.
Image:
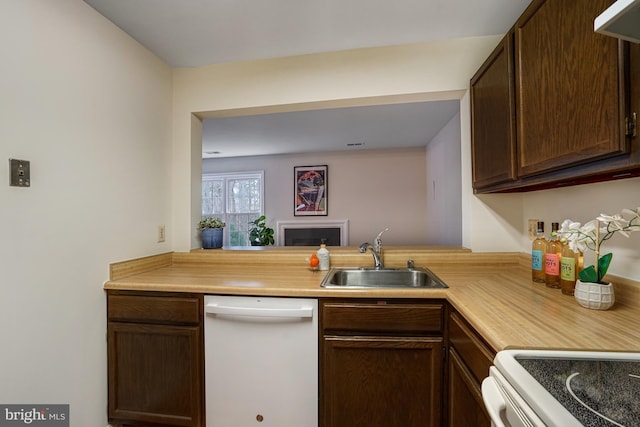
[
  {"x": 211, "y": 230},
  {"x": 259, "y": 233},
  {"x": 591, "y": 236}
]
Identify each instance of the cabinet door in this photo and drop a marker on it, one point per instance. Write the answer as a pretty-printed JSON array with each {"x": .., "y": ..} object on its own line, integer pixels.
[
  {"x": 568, "y": 87},
  {"x": 154, "y": 374},
  {"x": 493, "y": 127},
  {"x": 634, "y": 93},
  {"x": 466, "y": 407},
  {"x": 381, "y": 381}
]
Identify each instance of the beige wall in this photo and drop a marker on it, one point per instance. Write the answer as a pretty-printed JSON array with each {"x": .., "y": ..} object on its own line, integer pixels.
[
  {"x": 372, "y": 189},
  {"x": 489, "y": 222},
  {"x": 91, "y": 109},
  {"x": 444, "y": 201},
  {"x": 437, "y": 70},
  {"x": 585, "y": 202}
]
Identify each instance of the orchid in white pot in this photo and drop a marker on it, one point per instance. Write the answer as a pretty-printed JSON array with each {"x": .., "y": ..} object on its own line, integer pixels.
[{"x": 594, "y": 233}]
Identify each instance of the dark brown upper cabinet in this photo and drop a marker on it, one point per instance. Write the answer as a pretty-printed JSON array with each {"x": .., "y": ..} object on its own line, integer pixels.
[
  {"x": 571, "y": 95},
  {"x": 493, "y": 118},
  {"x": 567, "y": 88}
]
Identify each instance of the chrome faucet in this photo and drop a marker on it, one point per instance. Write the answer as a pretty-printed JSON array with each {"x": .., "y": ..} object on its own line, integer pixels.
[
  {"x": 376, "y": 256},
  {"x": 376, "y": 249},
  {"x": 378, "y": 242}
]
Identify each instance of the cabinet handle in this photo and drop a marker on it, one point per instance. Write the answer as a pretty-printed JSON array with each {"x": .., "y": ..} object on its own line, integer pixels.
[
  {"x": 302, "y": 312},
  {"x": 493, "y": 401}
]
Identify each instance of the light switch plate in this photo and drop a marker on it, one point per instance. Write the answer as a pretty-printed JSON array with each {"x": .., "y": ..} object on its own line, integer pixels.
[
  {"x": 533, "y": 229},
  {"x": 19, "y": 173}
]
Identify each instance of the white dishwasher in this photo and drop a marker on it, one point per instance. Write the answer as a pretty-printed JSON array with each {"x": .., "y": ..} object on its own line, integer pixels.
[{"x": 261, "y": 361}]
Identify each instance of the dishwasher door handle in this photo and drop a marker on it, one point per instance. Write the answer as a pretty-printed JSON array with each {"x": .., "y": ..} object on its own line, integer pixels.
[{"x": 302, "y": 312}]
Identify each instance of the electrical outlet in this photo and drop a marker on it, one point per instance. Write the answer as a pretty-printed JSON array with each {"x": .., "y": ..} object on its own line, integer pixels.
[
  {"x": 161, "y": 233},
  {"x": 533, "y": 229},
  {"x": 20, "y": 173}
]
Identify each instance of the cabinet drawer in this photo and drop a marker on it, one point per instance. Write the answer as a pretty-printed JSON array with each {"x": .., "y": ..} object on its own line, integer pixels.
[
  {"x": 382, "y": 317},
  {"x": 154, "y": 309},
  {"x": 472, "y": 350}
]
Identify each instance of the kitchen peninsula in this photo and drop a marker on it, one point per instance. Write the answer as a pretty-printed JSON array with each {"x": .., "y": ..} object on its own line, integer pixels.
[
  {"x": 493, "y": 291},
  {"x": 491, "y": 304}
]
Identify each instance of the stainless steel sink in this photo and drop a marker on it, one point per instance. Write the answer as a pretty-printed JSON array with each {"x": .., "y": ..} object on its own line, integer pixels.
[{"x": 340, "y": 277}]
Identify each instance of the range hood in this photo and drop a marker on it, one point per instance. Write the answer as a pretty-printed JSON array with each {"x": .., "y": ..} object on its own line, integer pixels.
[{"x": 621, "y": 20}]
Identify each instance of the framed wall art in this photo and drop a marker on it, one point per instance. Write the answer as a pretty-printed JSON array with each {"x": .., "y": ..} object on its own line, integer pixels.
[{"x": 310, "y": 198}]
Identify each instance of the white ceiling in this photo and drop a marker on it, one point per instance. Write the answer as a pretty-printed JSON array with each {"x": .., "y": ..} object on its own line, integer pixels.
[
  {"x": 192, "y": 33},
  {"x": 354, "y": 128}
]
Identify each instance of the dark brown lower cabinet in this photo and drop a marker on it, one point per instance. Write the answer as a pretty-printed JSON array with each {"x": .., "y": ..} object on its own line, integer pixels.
[
  {"x": 155, "y": 359},
  {"x": 468, "y": 365},
  {"x": 381, "y": 364},
  {"x": 382, "y": 381},
  {"x": 466, "y": 407}
]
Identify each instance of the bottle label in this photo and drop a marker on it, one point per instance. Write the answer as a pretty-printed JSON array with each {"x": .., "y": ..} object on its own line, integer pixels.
[
  {"x": 552, "y": 264},
  {"x": 568, "y": 269},
  {"x": 536, "y": 260},
  {"x": 323, "y": 257}
]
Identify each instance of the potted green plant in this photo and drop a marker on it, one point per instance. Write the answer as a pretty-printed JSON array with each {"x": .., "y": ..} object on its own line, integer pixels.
[
  {"x": 211, "y": 231},
  {"x": 259, "y": 233},
  {"x": 591, "y": 290}
]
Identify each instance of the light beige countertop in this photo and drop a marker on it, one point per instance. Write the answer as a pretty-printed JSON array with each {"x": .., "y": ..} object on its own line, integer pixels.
[{"x": 493, "y": 291}]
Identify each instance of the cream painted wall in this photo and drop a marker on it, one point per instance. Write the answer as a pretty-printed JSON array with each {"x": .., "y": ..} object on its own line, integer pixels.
[
  {"x": 444, "y": 202},
  {"x": 439, "y": 70},
  {"x": 490, "y": 222},
  {"x": 436, "y": 70},
  {"x": 373, "y": 189},
  {"x": 91, "y": 109}
]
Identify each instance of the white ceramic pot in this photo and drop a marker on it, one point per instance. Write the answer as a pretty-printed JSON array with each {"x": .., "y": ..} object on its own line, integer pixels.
[{"x": 594, "y": 295}]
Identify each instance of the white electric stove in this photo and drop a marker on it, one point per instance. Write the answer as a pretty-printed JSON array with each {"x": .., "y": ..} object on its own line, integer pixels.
[{"x": 563, "y": 389}]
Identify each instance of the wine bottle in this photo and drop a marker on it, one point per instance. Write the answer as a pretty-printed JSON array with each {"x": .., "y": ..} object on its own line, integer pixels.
[
  {"x": 538, "y": 249},
  {"x": 570, "y": 265},
  {"x": 552, "y": 258}
]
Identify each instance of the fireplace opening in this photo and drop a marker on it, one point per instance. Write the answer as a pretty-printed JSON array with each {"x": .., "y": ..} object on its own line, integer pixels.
[
  {"x": 311, "y": 233},
  {"x": 312, "y": 236}
]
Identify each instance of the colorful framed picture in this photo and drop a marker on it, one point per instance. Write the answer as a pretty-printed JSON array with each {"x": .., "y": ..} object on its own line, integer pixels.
[{"x": 310, "y": 198}]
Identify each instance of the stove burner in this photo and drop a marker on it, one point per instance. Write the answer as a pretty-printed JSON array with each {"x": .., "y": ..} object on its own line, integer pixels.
[
  {"x": 568, "y": 384},
  {"x": 599, "y": 393}
]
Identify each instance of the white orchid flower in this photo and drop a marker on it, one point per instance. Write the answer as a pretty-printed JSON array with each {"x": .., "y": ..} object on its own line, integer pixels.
[
  {"x": 569, "y": 226},
  {"x": 612, "y": 224},
  {"x": 635, "y": 215},
  {"x": 579, "y": 238},
  {"x": 569, "y": 232},
  {"x": 633, "y": 227},
  {"x": 588, "y": 236},
  {"x": 633, "y": 212}
]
